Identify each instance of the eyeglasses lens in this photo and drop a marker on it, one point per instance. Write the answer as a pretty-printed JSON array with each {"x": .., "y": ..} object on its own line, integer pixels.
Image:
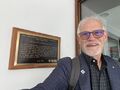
[
  {"x": 98, "y": 33},
  {"x": 84, "y": 35}
]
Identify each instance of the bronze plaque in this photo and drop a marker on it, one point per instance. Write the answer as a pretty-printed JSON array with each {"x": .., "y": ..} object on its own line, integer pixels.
[{"x": 32, "y": 49}]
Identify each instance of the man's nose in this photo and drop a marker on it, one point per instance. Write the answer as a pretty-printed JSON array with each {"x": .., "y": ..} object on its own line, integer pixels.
[{"x": 91, "y": 37}]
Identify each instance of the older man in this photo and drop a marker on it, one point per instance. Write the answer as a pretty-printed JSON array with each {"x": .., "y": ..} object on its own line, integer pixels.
[{"x": 100, "y": 72}]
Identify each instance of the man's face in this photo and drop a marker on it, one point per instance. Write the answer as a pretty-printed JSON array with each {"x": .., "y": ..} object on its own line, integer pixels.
[{"x": 92, "y": 46}]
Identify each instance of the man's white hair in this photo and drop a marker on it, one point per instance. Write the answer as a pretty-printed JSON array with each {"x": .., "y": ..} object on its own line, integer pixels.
[{"x": 97, "y": 18}]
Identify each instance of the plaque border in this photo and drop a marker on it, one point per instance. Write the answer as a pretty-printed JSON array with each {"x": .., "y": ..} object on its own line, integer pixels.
[{"x": 15, "y": 46}]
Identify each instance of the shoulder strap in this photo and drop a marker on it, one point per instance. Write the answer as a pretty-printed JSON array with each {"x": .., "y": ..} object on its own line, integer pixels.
[{"x": 75, "y": 71}]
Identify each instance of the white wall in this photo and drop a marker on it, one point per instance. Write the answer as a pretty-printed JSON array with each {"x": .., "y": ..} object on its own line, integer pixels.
[{"x": 54, "y": 17}]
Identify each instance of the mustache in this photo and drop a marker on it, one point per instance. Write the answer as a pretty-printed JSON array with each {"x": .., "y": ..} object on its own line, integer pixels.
[{"x": 92, "y": 43}]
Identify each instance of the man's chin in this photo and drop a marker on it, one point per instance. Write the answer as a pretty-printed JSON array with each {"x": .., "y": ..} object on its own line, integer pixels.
[{"x": 93, "y": 53}]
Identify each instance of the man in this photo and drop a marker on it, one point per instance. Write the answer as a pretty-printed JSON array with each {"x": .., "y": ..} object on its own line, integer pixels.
[{"x": 98, "y": 72}]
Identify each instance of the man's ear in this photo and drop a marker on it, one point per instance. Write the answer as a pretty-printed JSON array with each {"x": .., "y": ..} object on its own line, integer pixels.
[
  {"x": 78, "y": 40},
  {"x": 106, "y": 35},
  {"x": 79, "y": 43}
]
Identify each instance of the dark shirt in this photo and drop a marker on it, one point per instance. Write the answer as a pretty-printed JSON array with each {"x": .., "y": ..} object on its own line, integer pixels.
[{"x": 99, "y": 77}]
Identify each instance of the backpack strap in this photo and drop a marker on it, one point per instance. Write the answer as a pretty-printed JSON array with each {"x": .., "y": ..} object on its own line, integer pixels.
[{"x": 75, "y": 71}]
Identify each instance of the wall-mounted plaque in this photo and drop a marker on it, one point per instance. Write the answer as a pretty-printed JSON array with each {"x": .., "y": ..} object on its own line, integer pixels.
[{"x": 33, "y": 50}]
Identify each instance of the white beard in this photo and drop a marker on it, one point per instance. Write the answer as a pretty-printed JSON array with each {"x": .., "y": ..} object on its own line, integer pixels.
[{"x": 92, "y": 52}]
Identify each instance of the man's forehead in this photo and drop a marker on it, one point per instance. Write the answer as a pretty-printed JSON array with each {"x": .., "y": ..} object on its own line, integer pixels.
[{"x": 91, "y": 24}]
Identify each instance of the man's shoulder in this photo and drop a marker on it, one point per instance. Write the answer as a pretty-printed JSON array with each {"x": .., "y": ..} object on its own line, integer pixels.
[
  {"x": 65, "y": 61},
  {"x": 112, "y": 60},
  {"x": 107, "y": 57}
]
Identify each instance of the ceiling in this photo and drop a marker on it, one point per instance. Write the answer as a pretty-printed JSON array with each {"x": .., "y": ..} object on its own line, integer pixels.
[
  {"x": 99, "y": 6},
  {"x": 109, "y": 10}
]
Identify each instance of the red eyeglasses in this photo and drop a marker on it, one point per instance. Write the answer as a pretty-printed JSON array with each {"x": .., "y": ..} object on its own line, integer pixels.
[{"x": 96, "y": 33}]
